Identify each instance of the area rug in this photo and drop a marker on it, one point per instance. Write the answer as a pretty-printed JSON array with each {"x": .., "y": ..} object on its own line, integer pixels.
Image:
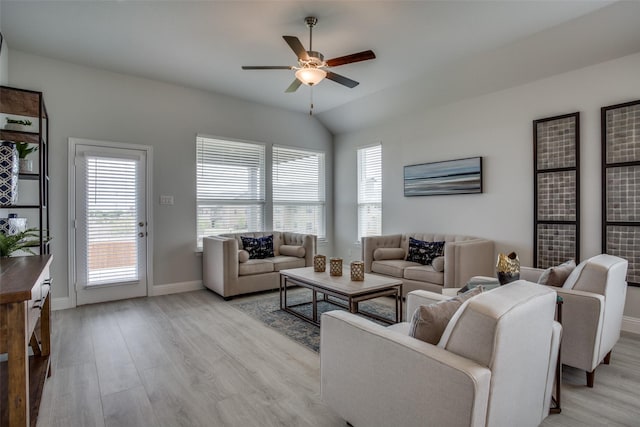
[{"x": 266, "y": 308}]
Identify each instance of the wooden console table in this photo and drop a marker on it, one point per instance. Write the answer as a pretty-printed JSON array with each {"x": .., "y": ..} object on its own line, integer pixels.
[{"x": 25, "y": 308}]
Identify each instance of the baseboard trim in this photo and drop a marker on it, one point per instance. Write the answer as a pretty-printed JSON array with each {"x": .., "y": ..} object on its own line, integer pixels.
[
  {"x": 631, "y": 324},
  {"x": 61, "y": 303},
  {"x": 175, "y": 288}
]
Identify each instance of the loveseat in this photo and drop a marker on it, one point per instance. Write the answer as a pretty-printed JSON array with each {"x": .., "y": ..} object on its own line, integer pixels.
[
  {"x": 228, "y": 270},
  {"x": 464, "y": 257}
]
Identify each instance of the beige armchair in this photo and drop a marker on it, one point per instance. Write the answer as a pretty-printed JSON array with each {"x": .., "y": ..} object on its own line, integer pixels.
[
  {"x": 494, "y": 365},
  {"x": 594, "y": 296}
]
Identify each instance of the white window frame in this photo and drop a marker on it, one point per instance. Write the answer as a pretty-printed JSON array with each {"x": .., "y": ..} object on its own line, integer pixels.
[
  {"x": 319, "y": 201},
  {"x": 361, "y": 203},
  {"x": 259, "y": 201}
]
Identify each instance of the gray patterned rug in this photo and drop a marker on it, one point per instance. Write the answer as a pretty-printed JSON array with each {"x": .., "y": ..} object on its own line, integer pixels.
[{"x": 266, "y": 308}]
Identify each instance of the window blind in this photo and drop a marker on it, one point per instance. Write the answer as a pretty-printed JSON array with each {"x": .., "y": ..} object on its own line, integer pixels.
[
  {"x": 111, "y": 220},
  {"x": 230, "y": 186},
  {"x": 298, "y": 191},
  {"x": 369, "y": 191}
]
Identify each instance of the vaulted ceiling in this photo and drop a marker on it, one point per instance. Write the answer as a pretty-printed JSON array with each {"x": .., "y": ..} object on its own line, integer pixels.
[{"x": 428, "y": 52}]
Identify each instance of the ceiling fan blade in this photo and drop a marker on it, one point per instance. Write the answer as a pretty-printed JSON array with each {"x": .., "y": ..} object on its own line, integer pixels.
[
  {"x": 267, "y": 67},
  {"x": 342, "y": 80},
  {"x": 293, "y": 86},
  {"x": 354, "y": 57},
  {"x": 297, "y": 47}
]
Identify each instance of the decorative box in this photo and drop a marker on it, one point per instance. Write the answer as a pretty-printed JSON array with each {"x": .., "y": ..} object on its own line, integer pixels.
[
  {"x": 8, "y": 173},
  {"x": 10, "y": 226}
]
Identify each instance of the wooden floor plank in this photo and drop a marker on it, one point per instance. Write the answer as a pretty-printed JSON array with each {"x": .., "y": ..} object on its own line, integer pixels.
[{"x": 193, "y": 359}]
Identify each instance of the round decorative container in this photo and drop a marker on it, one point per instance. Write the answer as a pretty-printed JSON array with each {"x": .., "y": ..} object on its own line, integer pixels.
[
  {"x": 335, "y": 266},
  {"x": 319, "y": 263},
  {"x": 357, "y": 271}
]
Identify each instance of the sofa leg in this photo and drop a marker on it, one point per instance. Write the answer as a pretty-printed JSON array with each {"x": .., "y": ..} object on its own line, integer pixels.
[
  {"x": 590, "y": 378},
  {"x": 607, "y": 358},
  {"x": 227, "y": 298}
]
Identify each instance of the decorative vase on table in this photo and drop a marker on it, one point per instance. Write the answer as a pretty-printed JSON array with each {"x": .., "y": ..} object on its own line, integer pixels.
[
  {"x": 319, "y": 263},
  {"x": 335, "y": 266},
  {"x": 508, "y": 268},
  {"x": 357, "y": 271},
  {"x": 8, "y": 173}
]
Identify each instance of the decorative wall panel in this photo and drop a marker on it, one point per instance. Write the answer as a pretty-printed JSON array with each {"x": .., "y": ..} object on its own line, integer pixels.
[
  {"x": 556, "y": 161},
  {"x": 621, "y": 184}
]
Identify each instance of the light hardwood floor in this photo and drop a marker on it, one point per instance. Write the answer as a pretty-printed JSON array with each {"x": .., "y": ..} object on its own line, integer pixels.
[{"x": 194, "y": 360}]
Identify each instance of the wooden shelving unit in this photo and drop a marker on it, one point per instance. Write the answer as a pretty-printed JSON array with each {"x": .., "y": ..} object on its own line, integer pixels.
[{"x": 30, "y": 104}]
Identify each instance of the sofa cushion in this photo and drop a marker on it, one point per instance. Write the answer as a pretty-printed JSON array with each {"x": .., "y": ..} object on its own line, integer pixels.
[
  {"x": 424, "y": 252},
  {"x": 556, "y": 276},
  {"x": 243, "y": 256},
  {"x": 255, "y": 266},
  {"x": 258, "y": 248},
  {"x": 424, "y": 273},
  {"x": 388, "y": 253},
  {"x": 292, "y": 250},
  {"x": 392, "y": 267},
  {"x": 438, "y": 264},
  {"x": 429, "y": 321},
  {"x": 283, "y": 262}
]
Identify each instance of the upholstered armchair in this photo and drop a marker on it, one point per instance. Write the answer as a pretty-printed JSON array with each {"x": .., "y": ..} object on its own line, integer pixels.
[
  {"x": 594, "y": 296},
  {"x": 494, "y": 365}
]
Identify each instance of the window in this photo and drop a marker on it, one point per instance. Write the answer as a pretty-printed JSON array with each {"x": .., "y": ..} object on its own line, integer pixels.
[
  {"x": 230, "y": 186},
  {"x": 298, "y": 191},
  {"x": 369, "y": 191}
]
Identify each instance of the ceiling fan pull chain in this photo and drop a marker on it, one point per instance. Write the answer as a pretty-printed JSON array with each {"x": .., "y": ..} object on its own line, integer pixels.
[{"x": 311, "y": 101}]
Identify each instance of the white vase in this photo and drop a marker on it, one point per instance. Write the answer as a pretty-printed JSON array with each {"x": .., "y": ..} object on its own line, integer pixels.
[{"x": 26, "y": 165}]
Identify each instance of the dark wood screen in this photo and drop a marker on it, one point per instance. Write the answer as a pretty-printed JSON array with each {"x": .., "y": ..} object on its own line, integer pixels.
[{"x": 556, "y": 166}]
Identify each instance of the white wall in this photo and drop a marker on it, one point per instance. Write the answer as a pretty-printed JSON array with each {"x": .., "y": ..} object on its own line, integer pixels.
[
  {"x": 498, "y": 127},
  {"x": 89, "y": 103}
]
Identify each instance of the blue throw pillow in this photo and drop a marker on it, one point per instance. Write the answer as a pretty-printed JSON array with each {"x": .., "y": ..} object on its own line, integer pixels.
[
  {"x": 424, "y": 252},
  {"x": 258, "y": 248}
]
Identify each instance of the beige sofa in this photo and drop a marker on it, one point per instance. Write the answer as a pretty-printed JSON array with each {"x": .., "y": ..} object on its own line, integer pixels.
[
  {"x": 494, "y": 365},
  {"x": 464, "y": 257},
  {"x": 224, "y": 273}
]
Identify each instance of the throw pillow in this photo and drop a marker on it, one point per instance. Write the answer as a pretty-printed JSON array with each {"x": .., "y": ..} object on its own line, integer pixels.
[
  {"x": 438, "y": 264},
  {"x": 429, "y": 321},
  {"x": 424, "y": 252},
  {"x": 258, "y": 248},
  {"x": 243, "y": 256},
  {"x": 292, "y": 250},
  {"x": 556, "y": 276},
  {"x": 388, "y": 253}
]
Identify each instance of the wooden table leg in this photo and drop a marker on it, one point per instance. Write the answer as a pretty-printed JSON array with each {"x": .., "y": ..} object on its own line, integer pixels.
[{"x": 18, "y": 364}]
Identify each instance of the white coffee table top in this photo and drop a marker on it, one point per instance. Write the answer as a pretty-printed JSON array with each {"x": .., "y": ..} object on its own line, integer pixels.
[{"x": 343, "y": 283}]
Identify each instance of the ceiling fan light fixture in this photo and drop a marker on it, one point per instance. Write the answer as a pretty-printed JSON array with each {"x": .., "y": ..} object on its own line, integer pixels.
[{"x": 311, "y": 76}]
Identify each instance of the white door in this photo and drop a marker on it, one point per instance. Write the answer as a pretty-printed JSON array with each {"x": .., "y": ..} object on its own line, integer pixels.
[{"x": 110, "y": 223}]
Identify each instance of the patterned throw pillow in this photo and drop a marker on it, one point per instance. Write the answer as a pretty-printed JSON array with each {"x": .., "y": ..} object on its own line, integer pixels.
[
  {"x": 258, "y": 248},
  {"x": 424, "y": 252}
]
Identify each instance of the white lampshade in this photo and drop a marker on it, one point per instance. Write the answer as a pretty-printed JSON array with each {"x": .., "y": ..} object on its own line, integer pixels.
[{"x": 311, "y": 76}]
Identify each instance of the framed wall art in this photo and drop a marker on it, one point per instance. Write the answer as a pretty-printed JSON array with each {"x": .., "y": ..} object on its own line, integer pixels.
[
  {"x": 462, "y": 176},
  {"x": 620, "y": 127},
  {"x": 556, "y": 200}
]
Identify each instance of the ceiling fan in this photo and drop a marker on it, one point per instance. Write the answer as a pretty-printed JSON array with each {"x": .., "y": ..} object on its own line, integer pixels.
[{"x": 312, "y": 68}]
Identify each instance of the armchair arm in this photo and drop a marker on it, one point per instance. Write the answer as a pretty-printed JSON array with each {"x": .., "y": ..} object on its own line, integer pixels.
[
  {"x": 219, "y": 263},
  {"x": 467, "y": 258},
  {"x": 376, "y": 377},
  {"x": 582, "y": 314},
  {"x": 420, "y": 297},
  {"x": 307, "y": 241},
  {"x": 530, "y": 274},
  {"x": 371, "y": 243}
]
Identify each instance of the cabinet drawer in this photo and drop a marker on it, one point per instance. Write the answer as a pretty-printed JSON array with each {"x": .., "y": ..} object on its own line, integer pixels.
[{"x": 39, "y": 294}]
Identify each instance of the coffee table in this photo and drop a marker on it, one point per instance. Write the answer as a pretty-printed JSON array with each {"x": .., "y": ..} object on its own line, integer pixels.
[{"x": 341, "y": 288}]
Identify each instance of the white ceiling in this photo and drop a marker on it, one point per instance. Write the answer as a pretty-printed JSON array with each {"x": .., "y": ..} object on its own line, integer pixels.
[{"x": 203, "y": 44}]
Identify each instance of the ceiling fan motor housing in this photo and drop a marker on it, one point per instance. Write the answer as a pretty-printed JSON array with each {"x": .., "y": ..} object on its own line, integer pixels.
[{"x": 316, "y": 59}]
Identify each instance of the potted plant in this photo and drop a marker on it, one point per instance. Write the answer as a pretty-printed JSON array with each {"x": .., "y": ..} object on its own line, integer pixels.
[
  {"x": 17, "y": 124},
  {"x": 23, "y": 240},
  {"x": 24, "y": 149}
]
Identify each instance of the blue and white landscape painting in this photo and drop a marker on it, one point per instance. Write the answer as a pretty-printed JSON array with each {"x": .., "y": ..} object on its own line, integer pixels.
[{"x": 462, "y": 176}]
